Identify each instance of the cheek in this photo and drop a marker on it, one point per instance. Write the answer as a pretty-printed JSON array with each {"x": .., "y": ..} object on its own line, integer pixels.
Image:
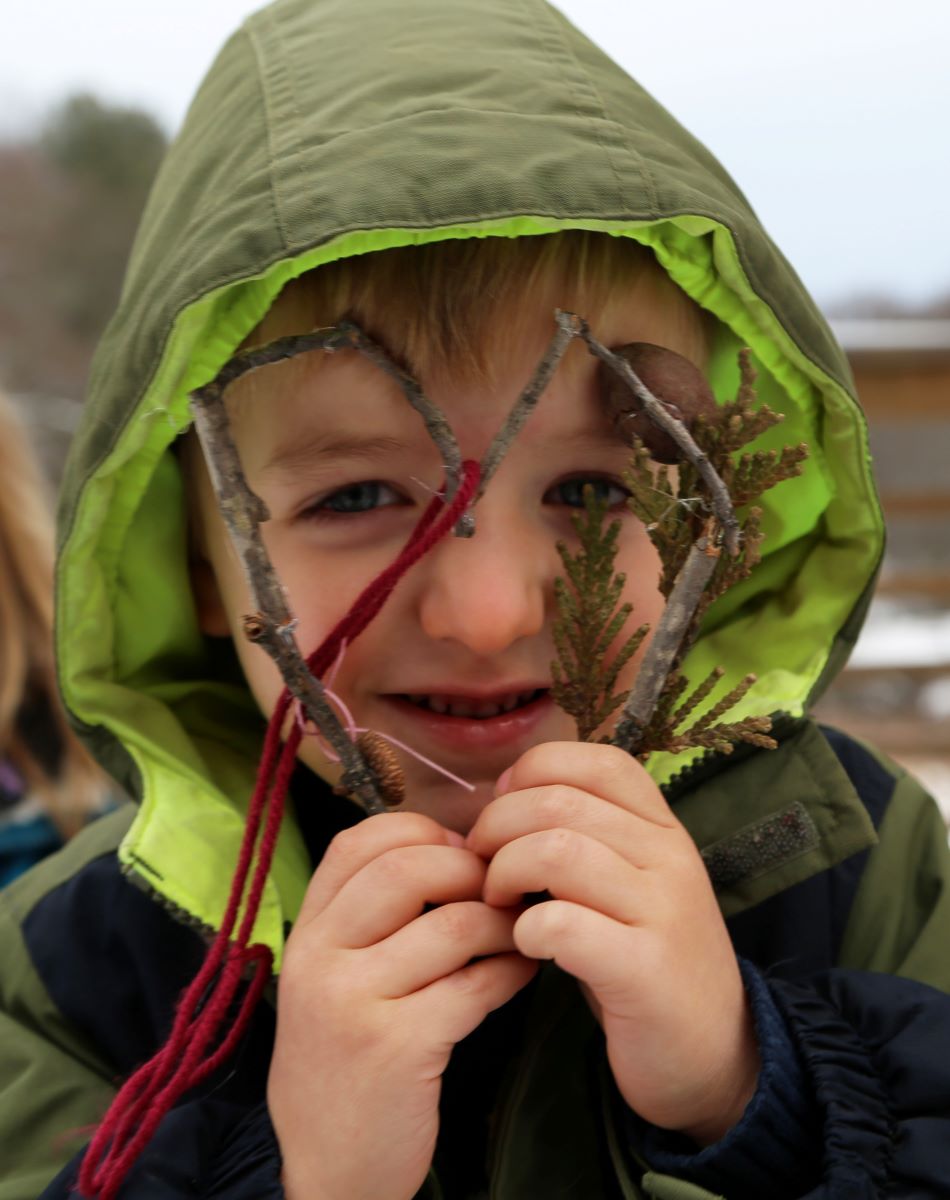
[
  {"x": 321, "y": 582},
  {"x": 641, "y": 564},
  {"x": 260, "y": 672},
  {"x": 639, "y": 561},
  {"x": 266, "y": 684},
  {"x": 319, "y": 594}
]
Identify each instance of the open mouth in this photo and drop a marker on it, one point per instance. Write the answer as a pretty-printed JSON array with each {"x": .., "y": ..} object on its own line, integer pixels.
[{"x": 473, "y": 709}]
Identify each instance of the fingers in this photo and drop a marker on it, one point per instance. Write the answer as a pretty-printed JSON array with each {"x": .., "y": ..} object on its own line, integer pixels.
[
  {"x": 441, "y": 943},
  {"x": 598, "y": 790},
  {"x": 461, "y": 1001},
  {"x": 534, "y": 810},
  {"x": 571, "y": 866},
  {"x": 604, "y": 771},
  {"x": 354, "y": 848},
  {"x": 394, "y": 888},
  {"x": 593, "y": 948}
]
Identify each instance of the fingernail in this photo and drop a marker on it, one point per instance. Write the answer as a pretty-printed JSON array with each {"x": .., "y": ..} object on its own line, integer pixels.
[{"x": 501, "y": 783}]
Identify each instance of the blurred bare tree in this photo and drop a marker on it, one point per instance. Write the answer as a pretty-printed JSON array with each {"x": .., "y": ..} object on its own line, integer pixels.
[
  {"x": 70, "y": 200},
  {"x": 885, "y": 306}
]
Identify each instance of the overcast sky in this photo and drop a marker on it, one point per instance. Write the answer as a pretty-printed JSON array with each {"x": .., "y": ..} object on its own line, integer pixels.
[{"x": 833, "y": 115}]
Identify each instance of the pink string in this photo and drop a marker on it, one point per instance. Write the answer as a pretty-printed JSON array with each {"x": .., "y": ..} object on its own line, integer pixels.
[
  {"x": 354, "y": 730},
  {"x": 422, "y": 758},
  {"x": 331, "y": 678},
  {"x": 188, "y": 1056}
]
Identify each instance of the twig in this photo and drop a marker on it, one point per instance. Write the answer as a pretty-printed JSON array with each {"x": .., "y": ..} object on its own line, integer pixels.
[
  {"x": 661, "y": 416},
  {"x": 358, "y": 780},
  {"x": 347, "y": 335},
  {"x": 279, "y": 350},
  {"x": 243, "y": 510},
  {"x": 666, "y": 643},
  {"x": 432, "y": 416},
  {"x": 568, "y": 328}
]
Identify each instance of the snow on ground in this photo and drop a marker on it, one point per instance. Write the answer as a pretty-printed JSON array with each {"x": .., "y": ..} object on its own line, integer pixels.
[{"x": 897, "y": 635}]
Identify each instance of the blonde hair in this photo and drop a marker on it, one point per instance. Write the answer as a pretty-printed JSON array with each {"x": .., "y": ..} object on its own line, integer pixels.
[
  {"x": 453, "y": 307},
  {"x": 449, "y": 306},
  {"x": 67, "y": 781}
]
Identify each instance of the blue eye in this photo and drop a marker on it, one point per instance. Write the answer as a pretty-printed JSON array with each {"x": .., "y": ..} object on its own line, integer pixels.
[
  {"x": 570, "y": 492},
  {"x": 354, "y": 499}
]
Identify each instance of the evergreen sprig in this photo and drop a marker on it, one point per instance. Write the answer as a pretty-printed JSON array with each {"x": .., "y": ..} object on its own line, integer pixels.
[
  {"x": 589, "y": 622},
  {"x": 675, "y": 509},
  {"x": 708, "y": 732}
]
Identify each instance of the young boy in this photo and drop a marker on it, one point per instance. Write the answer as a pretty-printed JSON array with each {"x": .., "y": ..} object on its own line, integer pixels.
[{"x": 749, "y": 989}]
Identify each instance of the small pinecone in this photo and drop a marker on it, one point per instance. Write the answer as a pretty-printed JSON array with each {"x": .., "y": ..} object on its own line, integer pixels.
[
  {"x": 672, "y": 379},
  {"x": 382, "y": 761}
]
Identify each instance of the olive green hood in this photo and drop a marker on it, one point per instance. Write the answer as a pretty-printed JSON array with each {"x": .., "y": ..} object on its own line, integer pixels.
[{"x": 330, "y": 128}]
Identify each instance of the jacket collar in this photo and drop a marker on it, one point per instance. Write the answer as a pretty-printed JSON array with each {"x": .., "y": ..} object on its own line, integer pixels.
[{"x": 767, "y": 820}]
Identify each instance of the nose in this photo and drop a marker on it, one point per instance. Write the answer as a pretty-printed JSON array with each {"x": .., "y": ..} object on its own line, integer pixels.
[{"x": 491, "y": 590}]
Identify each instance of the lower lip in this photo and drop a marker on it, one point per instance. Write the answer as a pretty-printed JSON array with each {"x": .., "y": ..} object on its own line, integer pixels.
[{"x": 473, "y": 734}]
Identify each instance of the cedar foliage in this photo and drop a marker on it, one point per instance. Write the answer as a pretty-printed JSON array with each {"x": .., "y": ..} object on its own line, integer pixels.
[
  {"x": 674, "y": 507},
  {"x": 589, "y": 621}
]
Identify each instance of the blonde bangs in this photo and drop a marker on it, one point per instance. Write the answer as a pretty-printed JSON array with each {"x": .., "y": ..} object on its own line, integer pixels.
[{"x": 450, "y": 308}]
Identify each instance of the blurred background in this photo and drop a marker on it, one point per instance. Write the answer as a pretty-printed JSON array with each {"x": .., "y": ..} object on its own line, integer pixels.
[{"x": 831, "y": 117}]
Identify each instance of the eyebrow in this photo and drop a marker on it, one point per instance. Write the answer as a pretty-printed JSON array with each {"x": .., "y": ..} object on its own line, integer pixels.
[
  {"x": 295, "y": 457},
  {"x": 292, "y": 457},
  {"x": 591, "y": 439}
]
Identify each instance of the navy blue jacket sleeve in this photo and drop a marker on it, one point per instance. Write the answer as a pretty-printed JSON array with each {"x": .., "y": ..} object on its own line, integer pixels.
[
  {"x": 208, "y": 1148},
  {"x": 776, "y": 1148},
  {"x": 863, "y": 1112},
  {"x": 856, "y": 1062},
  {"x": 877, "y": 1049}
]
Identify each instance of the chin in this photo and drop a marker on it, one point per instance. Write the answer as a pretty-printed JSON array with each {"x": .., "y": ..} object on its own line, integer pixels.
[
  {"x": 450, "y": 805},
  {"x": 427, "y": 793}
]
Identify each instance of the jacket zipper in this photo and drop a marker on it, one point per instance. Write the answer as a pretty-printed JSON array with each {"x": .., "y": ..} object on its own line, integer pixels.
[
  {"x": 710, "y": 762},
  {"x": 181, "y": 915},
  {"x": 514, "y": 1086}
]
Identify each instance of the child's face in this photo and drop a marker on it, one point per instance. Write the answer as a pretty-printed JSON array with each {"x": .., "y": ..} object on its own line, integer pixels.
[{"x": 458, "y": 663}]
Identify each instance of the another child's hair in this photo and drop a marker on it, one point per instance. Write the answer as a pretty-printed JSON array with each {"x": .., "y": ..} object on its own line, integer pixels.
[
  {"x": 34, "y": 734},
  {"x": 448, "y": 305}
]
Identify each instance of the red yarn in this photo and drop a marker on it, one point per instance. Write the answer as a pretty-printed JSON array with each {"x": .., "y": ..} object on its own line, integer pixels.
[
  {"x": 186, "y": 1058},
  {"x": 372, "y": 599}
]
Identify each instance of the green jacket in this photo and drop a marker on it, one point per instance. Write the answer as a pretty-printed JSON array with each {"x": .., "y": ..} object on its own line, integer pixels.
[
  {"x": 278, "y": 169},
  {"x": 326, "y": 130},
  {"x": 849, "y": 926}
]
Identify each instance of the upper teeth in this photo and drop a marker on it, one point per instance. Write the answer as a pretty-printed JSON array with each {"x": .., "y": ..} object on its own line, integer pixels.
[{"x": 456, "y": 707}]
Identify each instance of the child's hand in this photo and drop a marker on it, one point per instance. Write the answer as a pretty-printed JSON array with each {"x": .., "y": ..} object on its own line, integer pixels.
[
  {"x": 635, "y": 920},
  {"x": 373, "y": 995}
]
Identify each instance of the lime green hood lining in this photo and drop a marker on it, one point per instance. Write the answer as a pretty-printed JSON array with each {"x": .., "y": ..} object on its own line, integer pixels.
[{"x": 133, "y": 659}]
